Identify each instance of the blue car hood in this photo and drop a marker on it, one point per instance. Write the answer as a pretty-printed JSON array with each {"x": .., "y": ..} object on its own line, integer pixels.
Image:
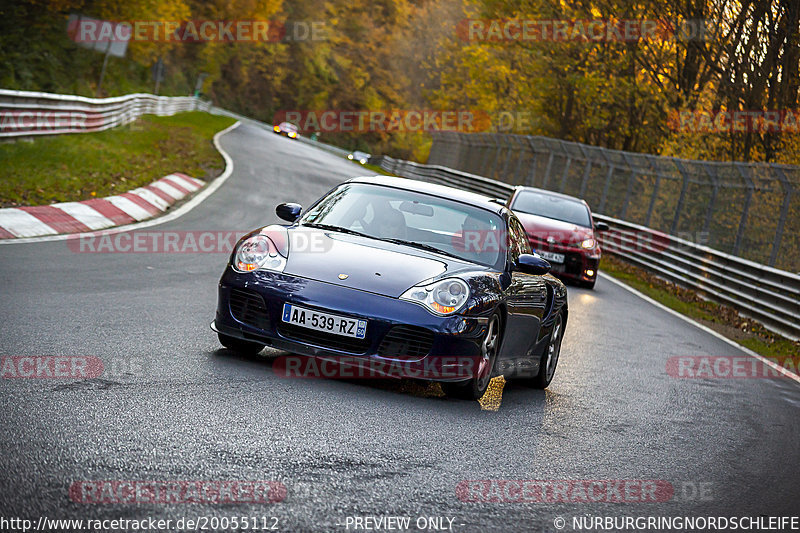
[{"x": 366, "y": 264}]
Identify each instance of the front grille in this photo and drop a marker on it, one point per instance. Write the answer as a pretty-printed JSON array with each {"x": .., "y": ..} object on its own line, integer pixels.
[
  {"x": 406, "y": 342},
  {"x": 248, "y": 307},
  {"x": 573, "y": 264},
  {"x": 322, "y": 339}
]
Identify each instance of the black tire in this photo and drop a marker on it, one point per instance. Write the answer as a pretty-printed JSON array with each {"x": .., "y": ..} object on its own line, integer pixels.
[
  {"x": 239, "y": 345},
  {"x": 588, "y": 284},
  {"x": 547, "y": 366},
  {"x": 476, "y": 387}
]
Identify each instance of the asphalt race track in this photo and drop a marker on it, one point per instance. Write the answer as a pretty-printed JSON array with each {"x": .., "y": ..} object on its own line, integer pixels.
[{"x": 174, "y": 405}]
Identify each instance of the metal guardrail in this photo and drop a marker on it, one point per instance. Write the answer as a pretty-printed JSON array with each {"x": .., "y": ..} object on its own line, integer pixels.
[
  {"x": 750, "y": 210},
  {"x": 766, "y": 294},
  {"x": 25, "y": 114}
]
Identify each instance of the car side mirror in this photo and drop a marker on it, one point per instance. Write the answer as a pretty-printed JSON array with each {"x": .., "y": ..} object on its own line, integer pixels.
[
  {"x": 532, "y": 264},
  {"x": 601, "y": 226},
  {"x": 289, "y": 212}
]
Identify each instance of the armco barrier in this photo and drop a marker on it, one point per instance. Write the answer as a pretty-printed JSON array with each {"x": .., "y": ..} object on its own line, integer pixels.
[
  {"x": 750, "y": 210},
  {"x": 766, "y": 294},
  {"x": 25, "y": 114}
]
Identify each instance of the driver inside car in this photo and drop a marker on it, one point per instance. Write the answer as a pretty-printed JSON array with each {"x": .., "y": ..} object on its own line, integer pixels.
[
  {"x": 479, "y": 240},
  {"x": 388, "y": 223}
]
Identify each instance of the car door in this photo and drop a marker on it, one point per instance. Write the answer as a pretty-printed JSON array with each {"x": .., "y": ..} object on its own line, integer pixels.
[{"x": 526, "y": 304}]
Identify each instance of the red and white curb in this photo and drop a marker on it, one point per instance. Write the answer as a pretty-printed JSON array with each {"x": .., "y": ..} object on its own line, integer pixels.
[
  {"x": 173, "y": 214},
  {"x": 98, "y": 213}
]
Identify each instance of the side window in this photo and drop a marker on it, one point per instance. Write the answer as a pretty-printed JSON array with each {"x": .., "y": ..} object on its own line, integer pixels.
[
  {"x": 525, "y": 244},
  {"x": 517, "y": 240}
]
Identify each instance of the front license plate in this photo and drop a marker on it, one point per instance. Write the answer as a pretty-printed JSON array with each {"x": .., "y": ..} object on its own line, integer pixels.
[
  {"x": 551, "y": 256},
  {"x": 338, "y": 325}
]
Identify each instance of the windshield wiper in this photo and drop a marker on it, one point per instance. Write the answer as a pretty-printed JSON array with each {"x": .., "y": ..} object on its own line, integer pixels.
[
  {"x": 422, "y": 246},
  {"x": 340, "y": 229}
]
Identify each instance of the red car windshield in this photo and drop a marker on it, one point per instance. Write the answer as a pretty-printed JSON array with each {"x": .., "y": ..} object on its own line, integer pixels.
[{"x": 555, "y": 207}]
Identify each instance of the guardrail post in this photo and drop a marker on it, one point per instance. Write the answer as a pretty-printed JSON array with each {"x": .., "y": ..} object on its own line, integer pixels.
[
  {"x": 503, "y": 173},
  {"x": 674, "y": 228},
  {"x": 745, "y": 209},
  {"x": 461, "y": 151},
  {"x": 546, "y": 177},
  {"x": 520, "y": 157},
  {"x": 498, "y": 150},
  {"x": 531, "y": 178},
  {"x": 473, "y": 158},
  {"x": 788, "y": 191},
  {"x": 482, "y": 171},
  {"x": 606, "y": 186},
  {"x": 629, "y": 189},
  {"x": 656, "y": 186},
  {"x": 564, "y": 175},
  {"x": 586, "y": 171},
  {"x": 585, "y": 181},
  {"x": 712, "y": 173}
]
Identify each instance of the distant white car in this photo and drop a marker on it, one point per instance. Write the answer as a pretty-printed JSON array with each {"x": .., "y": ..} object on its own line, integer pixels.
[
  {"x": 286, "y": 128},
  {"x": 361, "y": 157}
]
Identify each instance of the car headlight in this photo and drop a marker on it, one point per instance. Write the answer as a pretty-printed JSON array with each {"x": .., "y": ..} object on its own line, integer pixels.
[
  {"x": 350, "y": 156},
  {"x": 292, "y": 134},
  {"x": 277, "y": 128},
  {"x": 588, "y": 243},
  {"x": 443, "y": 297},
  {"x": 258, "y": 252},
  {"x": 363, "y": 161}
]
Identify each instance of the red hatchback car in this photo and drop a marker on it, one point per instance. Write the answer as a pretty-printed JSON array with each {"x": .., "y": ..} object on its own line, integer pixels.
[{"x": 561, "y": 229}]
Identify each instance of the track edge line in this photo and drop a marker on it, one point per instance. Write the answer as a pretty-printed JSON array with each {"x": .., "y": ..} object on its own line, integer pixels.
[{"x": 748, "y": 351}]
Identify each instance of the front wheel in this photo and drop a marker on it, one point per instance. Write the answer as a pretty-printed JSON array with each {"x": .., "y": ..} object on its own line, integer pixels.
[
  {"x": 476, "y": 387},
  {"x": 239, "y": 345},
  {"x": 547, "y": 366}
]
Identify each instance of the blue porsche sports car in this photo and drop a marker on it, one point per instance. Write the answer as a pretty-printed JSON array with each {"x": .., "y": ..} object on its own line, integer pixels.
[{"x": 393, "y": 274}]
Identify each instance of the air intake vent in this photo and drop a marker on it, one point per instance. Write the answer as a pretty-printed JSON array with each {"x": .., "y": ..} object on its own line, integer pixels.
[
  {"x": 248, "y": 308},
  {"x": 406, "y": 342}
]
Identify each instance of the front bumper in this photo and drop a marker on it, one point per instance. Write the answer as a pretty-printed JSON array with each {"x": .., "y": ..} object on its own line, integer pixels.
[{"x": 405, "y": 336}]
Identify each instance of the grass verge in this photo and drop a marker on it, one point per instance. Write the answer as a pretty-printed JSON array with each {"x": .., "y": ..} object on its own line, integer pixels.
[
  {"x": 377, "y": 170},
  {"x": 720, "y": 318},
  {"x": 86, "y": 165}
]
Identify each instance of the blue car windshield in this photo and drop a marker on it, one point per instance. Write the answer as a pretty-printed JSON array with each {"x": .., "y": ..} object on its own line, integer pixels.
[
  {"x": 386, "y": 213},
  {"x": 555, "y": 207}
]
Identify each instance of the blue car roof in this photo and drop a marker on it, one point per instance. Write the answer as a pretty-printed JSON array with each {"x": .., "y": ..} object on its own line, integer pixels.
[{"x": 451, "y": 193}]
